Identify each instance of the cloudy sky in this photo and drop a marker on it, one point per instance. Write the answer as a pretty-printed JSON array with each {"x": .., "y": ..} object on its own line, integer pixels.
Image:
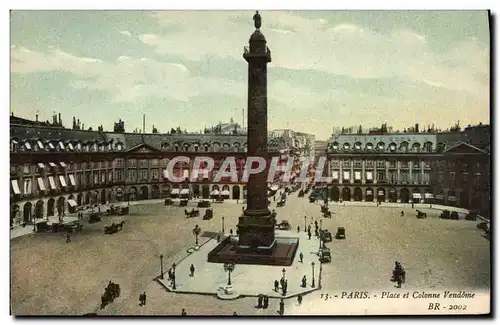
[{"x": 329, "y": 68}]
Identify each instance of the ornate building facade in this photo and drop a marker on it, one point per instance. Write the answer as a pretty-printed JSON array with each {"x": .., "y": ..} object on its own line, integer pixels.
[{"x": 410, "y": 167}]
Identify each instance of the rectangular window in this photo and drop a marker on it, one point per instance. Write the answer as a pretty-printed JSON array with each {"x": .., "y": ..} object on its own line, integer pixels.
[
  {"x": 404, "y": 177},
  {"x": 144, "y": 174}
]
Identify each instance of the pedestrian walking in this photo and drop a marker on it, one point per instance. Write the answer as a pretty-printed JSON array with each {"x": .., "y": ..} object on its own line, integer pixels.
[
  {"x": 192, "y": 270},
  {"x": 141, "y": 299},
  {"x": 276, "y": 285},
  {"x": 299, "y": 299},
  {"x": 301, "y": 256},
  {"x": 282, "y": 307},
  {"x": 144, "y": 298},
  {"x": 231, "y": 232},
  {"x": 298, "y": 228},
  {"x": 309, "y": 234}
]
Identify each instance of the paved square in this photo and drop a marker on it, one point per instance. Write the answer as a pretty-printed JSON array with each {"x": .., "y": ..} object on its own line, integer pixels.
[
  {"x": 247, "y": 280},
  {"x": 50, "y": 277}
]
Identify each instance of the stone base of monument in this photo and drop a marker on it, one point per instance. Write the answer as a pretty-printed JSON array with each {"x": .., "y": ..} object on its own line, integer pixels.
[{"x": 280, "y": 253}]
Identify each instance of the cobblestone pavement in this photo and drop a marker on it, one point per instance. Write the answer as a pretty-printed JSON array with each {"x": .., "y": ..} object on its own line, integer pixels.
[{"x": 52, "y": 277}]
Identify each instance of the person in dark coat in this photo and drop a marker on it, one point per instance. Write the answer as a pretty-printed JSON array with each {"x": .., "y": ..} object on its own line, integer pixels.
[
  {"x": 282, "y": 307},
  {"x": 144, "y": 298},
  {"x": 266, "y": 302},
  {"x": 299, "y": 299},
  {"x": 259, "y": 302},
  {"x": 191, "y": 269},
  {"x": 298, "y": 228},
  {"x": 276, "y": 285},
  {"x": 309, "y": 234},
  {"x": 304, "y": 281},
  {"x": 231, "y": 232},
  {"x": 301, "y": 256},
  {"x": 141, "y": 300}
]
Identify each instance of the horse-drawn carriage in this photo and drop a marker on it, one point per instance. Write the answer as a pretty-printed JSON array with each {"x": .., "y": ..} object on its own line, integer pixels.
[
  {"x": 280, "y": 203},
  {"x": 398, "y": 275},
  {"x": 325, "y": 255},
  {"x": 421, "y": 215},
  {"x": 284, "y": 225},
  {"x": 183, "y": 203},
  {"x": 301, "y": 193},
  {"x": 94, "y": 217},
  {"x": 74, "y": 227},
  {"x": 449, "y": 215},
  {"x": 340, "y": 233},
  {"x": 325, "y": 236},
  {"x": 111, "y": 292},
  {"x": 209, "y": 214},
  {"x": 193, "y": 213},
  {"x": 219, "y": 200},
  {"x": 169, "y": 201},
  {"x": 204, "y": 204},
  {"x": 115, "y": 227}
]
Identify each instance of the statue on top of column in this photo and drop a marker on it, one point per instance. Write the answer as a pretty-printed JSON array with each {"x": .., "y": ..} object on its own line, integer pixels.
[{"x": 257, "y": 21}]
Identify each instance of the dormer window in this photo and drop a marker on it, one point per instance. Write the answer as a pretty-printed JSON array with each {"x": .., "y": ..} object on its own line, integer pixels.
[
  {"x": 78, "y": 146},
  {"x": 61, "y": 145},
  {"x": 27, "y": 145},
  {"x": 335, "y": 146},
  {"x": 441, "y": 146},
  {"x": 70, "y": 146},
  {"x": 380, "y": 146},
  {"x": 369, "y": 146},
  {"x": 357, "y": 146},
  {"x": 428, "y": 146},
  {"x": 404, "y": 146},
  {"x": 415, "y": 147},
  {"x": 119, "y": 146},
  {"x": 346, "y": 146},
  {"x": 39, "y": 144},
  {"x": 13, "y": 145},
  {"x": 392, "y": 147},
  {"x": 51, "y": 146},
  {"x": 176, "y": 146}
]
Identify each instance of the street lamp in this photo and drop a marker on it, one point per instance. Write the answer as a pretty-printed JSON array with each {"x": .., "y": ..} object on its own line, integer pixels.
[
  {"x": 284, "y": 272},
  {"x": 320, "y": 271},
  {"x": 161, "y": 266},
  {"x": 312, "y": 264},
  {"x": 305, "y": 223},
  {"x": 222, "y": 224},
  {"x": 173, "y": 276},
  {"x": 229, "y": 267},
  {"x": 196, "y": 232}
]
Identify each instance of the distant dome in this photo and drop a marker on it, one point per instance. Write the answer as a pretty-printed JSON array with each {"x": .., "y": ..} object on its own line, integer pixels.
[{"x": 257, "y": 36}]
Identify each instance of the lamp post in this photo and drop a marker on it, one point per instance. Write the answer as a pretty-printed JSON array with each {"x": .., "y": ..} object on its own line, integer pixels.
[
  {"x": 284, "y": 272},
  {"x": 305, "y": 223},
  {"x": 312, "y": 264},
  {"x": 222, "y": 224},
  {"x": 196, "y": 232},
  {"x": 320, "y": 271},
  {"x": 173, "y": 276},
  {"x": 229, "y": 267},
  {"x": 161, "y": 266}
]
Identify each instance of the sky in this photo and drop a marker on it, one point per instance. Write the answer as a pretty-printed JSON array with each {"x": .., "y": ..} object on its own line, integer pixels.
[{"x": 185, "y": 68}]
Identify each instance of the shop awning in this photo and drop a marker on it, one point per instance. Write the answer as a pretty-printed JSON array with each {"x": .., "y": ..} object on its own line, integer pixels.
[
  {"x": 51, "y": 146},
  {"x": 41, "y": 165},
  {"x": 369, "y": 176},
  {"x": 70, "y": 146},
  {"x": 72, "y": 203},
  {"x": 15, "y": 186},
  {"x": 214, "y": 192},
  {"x": 428, "y": 195},
  {"x": 72, "y": 180},
  {"x": 63, "y": 164},
  {"x": 185, "y": 191},
  {"x": 174, "y": 191},
  {"x": 40, "y": 144},
  {"x": 51, "y": 164},
  {"x": 62, "y": 180},
  {"x": 41, "y": 184},
  {"x": 52, "y": 183},
  {"x": 381, "y": 193},
  {"x": 417, "y": 195},
  {"x": 452, "y": 198},
  {"x": 369, "y": 192},
  {"x": 225, "y": 192}
]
